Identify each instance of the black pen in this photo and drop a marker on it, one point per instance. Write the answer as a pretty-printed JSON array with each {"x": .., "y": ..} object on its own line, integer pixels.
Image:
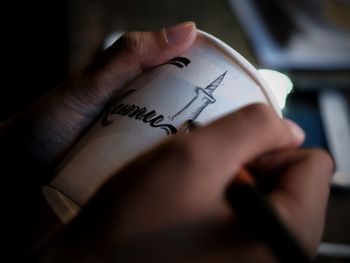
[{"x": 260, "y": 220}]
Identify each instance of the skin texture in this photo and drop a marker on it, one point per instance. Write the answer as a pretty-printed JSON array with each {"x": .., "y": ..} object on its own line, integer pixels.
[{"x": 168, "y": 204}]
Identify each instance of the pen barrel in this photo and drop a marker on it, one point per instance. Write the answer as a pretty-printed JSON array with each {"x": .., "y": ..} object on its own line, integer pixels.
[{"x": 260, "y": 221}]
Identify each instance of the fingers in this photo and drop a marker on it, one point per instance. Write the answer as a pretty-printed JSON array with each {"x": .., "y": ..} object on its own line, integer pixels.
[
  {"x": 184, "y": 179},
  {"x": 139, "y": 50},
  {"x": 57, "y": 120},
  {"x": 206, "y": 160},
  {"x": 301, "y": 192},
  {"x": 237, "y": 139},
  {"x": 126, "y": 58},
  {"x": 191, "y": 172}
]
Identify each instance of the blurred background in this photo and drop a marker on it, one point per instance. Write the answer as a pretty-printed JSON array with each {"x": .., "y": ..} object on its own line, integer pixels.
[{"x": 308, "y": 40}]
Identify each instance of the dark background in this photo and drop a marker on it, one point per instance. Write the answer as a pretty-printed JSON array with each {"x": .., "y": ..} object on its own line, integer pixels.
[{"x": 35, "y": 51}]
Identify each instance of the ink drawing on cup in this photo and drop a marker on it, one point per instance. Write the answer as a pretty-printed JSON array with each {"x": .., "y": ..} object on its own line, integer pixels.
[{"x": 200, "y": 101}]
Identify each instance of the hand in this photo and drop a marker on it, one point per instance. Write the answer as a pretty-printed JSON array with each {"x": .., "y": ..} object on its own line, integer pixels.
[
  {"x": 34, "y": 142},
  {"x": 45, "y": 132},
  {"x": 169, "y": 204}
]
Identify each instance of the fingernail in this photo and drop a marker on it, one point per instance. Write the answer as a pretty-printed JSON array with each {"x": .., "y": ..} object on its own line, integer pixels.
[
  {"x": 296, "y": 130},
  {"x": 179, "y": 33}
]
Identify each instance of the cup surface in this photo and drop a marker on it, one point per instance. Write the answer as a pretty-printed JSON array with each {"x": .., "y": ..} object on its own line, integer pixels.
[{"x": 207, "y": 82}]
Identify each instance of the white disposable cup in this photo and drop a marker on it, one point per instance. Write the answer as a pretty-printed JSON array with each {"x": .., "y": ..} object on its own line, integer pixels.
[{"x": 208, "y": 81}]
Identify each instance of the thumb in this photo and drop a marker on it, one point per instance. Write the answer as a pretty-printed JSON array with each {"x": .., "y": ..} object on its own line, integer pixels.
[
  {"x": 126, "y": 58},
  {"x": 59, "y": 118},
  {"x": 140, "y": 50}
]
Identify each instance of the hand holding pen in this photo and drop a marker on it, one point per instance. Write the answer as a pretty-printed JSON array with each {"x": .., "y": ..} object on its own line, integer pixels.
[
  {"x": 170, "y": 204},
  {"x": 257, "y": 216}
]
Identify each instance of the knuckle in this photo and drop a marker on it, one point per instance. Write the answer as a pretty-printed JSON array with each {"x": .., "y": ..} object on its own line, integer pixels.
[
  {"x": 266, "y": 121},
  {"x": 321, "y": 157},
  {"x": 133, "y": 42},
  {"x": 260, "y": 113}
]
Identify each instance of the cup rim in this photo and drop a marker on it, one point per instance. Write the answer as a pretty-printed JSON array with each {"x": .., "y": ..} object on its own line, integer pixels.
[{"x": 245, "y": 65}]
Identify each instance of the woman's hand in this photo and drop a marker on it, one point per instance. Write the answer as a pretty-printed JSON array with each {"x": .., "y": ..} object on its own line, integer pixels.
[
  {"x": 34, "y": 142},
  {"x": 170, "y": 204},
  {"x": 44, "y": 133}
]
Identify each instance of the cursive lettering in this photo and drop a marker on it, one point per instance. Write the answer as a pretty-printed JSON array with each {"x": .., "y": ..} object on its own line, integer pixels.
[{"x": 137, "y": 113}]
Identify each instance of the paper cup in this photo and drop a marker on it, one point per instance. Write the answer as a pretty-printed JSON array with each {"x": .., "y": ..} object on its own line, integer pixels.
[{"x": 208, "y": 81}]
